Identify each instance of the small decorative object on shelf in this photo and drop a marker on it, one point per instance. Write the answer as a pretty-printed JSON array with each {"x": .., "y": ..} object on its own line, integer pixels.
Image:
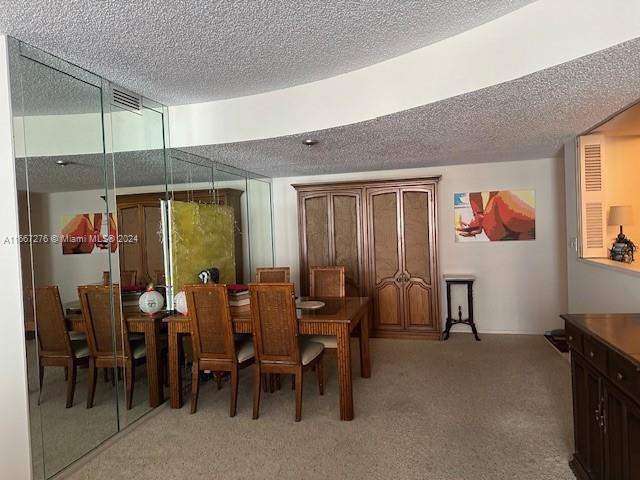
[
  {"x": 180, "y": 301},
  {"x": 623, "y": 248},
  {"x": 151, "y": 301},
  {"x": 211, "y": 275}
]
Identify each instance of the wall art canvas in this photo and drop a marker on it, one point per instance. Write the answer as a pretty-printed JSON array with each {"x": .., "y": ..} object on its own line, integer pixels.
[
  {"x": 87, "y": 233},
  {"x": 495, "y": 216}
]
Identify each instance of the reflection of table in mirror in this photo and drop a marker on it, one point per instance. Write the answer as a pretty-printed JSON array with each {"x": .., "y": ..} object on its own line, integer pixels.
[
  {"x": 137, "y": 322},
  {"x": 339, "y": 317}
]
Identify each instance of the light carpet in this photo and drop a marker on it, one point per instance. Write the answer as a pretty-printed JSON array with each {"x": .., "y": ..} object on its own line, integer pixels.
[{"x": 455, "y": 410}]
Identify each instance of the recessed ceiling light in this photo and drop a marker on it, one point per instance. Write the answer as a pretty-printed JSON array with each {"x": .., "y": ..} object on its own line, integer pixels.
[
  {"x": 62, "y": 163},
  {"x": 309, "y": 141}
]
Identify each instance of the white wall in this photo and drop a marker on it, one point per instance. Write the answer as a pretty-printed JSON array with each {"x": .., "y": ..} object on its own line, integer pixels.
[
  {"x": 15, "y": 450},
  {"x": 622, "y": 177},
  {"x": 521, "y": 286},
  {"x": 593, "y": 288}
]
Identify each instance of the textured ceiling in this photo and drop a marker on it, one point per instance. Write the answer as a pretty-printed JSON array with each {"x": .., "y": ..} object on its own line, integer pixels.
[
  {"x": 191, "y": 51},
  {"x": 527, "y": 118},
  {"x": 523, "y": 119}
]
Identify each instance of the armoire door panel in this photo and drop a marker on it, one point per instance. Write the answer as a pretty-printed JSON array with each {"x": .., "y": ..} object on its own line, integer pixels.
[
  {"x": 416, "y": 251},
  {"x": 345, "y": 230},
  {"x": 153, "y": 243},
  {"x": 317, "y": 230},
  {"x": 129, "y": 225},
  {"x": 384, "y": 220},
  {"x": 418, "y": 314},
  {"x": 388, "y": 308}
]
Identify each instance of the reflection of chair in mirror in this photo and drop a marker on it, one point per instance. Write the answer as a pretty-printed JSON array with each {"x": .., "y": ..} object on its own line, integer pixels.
[
  {"x": 95, "y": 304},
  {"x": 56, "y": 349},
  {"x": 326, "y": 282},
  {"x": 128, "y": 278},
  {"x": 214, "y": 346},
  {"x": 159, "y": 277},
  {"x": 279, "y": 349},
  {"x": 272, "y": 275}
]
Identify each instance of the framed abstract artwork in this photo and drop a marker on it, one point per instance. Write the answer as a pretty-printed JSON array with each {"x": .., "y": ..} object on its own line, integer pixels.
[{"x": 495, "y": 216}]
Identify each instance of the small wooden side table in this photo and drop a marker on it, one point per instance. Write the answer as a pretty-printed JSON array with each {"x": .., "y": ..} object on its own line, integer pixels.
[{"x": 467, "y": 280}]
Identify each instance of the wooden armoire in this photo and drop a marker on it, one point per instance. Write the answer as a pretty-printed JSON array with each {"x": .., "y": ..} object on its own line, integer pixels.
[
  {"x": 139, "y": 215},
  {"x": 385, "y": 234}
]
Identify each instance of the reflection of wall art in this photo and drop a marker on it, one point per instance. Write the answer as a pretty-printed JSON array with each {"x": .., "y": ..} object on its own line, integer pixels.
[
  {"x": 88, "y": 232},
  {"x": 495, "y": 216}
]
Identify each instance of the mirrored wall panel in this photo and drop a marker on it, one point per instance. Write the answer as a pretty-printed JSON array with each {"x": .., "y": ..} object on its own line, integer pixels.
[{"x": 113, "y": 225}]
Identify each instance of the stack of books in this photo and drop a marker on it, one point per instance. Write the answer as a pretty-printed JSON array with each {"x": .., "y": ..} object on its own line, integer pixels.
[{"x": 238, "y": 297}]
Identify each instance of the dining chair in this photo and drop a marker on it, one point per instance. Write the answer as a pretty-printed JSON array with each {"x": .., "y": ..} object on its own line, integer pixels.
[
  {"x": 214, "y": 345},
  {"x": 104, "y": 352},
  {"x": 128, "y": 278},
  {"x": 327, "y": 282},
  {"x": 279, "y": 348},
  {"x": 55, "y": 347},
  {"x": 272, "y": 274}
]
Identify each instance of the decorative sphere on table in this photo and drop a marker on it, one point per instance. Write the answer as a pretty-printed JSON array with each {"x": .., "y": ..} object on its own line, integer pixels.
[
  {"x": 151, "y": 301},
  {"x": 181, "y": 303}
]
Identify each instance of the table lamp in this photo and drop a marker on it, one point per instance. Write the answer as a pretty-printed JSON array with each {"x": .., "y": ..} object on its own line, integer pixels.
[{"x": 621, "y": 215}]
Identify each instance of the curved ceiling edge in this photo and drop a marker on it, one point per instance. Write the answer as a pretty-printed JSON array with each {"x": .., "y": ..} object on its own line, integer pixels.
[{"x": 535, "y": 37}]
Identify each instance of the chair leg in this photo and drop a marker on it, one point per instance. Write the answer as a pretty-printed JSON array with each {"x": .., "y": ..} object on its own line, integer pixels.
[
  {"x": 106, "y": 375},
  {"x": 130, "y": 375},
  {"x": 234, "y": 392},
  {"x": 66, "y": 373},
  {"x": 71, "y": 382},
  {"x": 257, "y": 387},
  {"x": 293, "y": 382},
  {"x": 195, "y": 385},
  {"x": 278, "y": 381},
  {"x": 40, "y": 380},
  {"x": 92, "y": 382},
  {"x": 299, "y": 394},
  {"x": 218, "y": 379},
  {"x": 320, "y": 370}
]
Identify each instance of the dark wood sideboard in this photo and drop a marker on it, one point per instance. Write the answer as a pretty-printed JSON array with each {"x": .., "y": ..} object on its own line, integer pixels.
[{"x": 605, "y": 371}]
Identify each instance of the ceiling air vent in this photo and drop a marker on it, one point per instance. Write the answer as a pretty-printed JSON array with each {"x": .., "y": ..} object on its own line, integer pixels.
[{"x": 125, "y": 99}]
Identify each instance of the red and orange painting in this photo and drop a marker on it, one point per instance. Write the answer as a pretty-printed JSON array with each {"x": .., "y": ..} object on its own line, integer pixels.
[
  {"x": 88, "y": 232},
  {"x": 495, "y": 216}
]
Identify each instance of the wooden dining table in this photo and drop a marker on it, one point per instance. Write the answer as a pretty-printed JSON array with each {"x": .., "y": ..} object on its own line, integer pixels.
[
  {"x": 339, "y": 317},
  {"x": 150, "y": 325}
]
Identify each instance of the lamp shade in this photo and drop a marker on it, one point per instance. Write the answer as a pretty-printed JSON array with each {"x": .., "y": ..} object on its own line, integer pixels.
[{"x": 621, "y": 215}]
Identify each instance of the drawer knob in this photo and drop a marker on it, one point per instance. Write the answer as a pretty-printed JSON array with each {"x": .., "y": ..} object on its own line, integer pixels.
[
  {"x": 620, "y": 377},
  {"x": 591, "y": 354},
  {"x": 571, "y": 338}
]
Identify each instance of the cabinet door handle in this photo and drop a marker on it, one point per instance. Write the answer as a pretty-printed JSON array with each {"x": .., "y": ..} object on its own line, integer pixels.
[
  {"x": 571, "y": 338},
  {"x": 620, "y": 377},
  {"x": 591, "y": 354}
]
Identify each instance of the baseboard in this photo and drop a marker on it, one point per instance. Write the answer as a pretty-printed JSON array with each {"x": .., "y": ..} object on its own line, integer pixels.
[{"x": 578, "y": 470}]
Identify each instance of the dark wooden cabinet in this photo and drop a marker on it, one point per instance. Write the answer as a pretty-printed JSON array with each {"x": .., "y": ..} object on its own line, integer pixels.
[
  {"x": 385, "y": 234},
  {"x": 139, "y": 215},
  {"x": 605, "y": 368}
]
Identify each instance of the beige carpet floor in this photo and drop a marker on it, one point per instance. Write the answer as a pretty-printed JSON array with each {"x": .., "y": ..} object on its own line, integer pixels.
[{"x": 455, "y": 410}]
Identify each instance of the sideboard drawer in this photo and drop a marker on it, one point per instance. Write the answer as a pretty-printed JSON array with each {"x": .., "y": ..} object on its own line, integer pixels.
[
  {"x": 574, "y": 337},
  {"x": 595, "y": 353},
  {"x": 624, "y": 374}
]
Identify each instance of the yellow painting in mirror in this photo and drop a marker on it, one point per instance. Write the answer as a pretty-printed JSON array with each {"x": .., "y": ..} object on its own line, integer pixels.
[{"x": 202, "y": 237}]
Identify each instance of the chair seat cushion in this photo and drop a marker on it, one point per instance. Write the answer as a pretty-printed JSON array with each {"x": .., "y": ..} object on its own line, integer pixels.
[
  {"x": 329, "y": 341},
  {"x": 244, "y": 349},
  {"x": 80, "y": 348},
  {"x": 73, "y": 336},
  {"x": 138, "y": 350},
  {"x": 309, "y": 350}
]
